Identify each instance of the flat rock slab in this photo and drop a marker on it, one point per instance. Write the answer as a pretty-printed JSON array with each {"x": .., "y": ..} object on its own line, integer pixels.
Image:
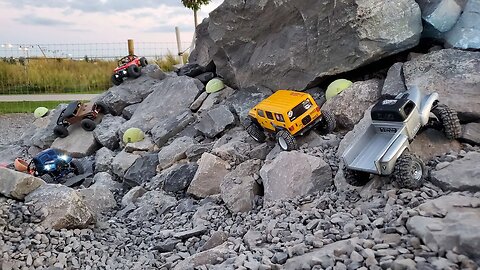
[
  {"x": 431, "y": 143},
  {"x": 210, "y": 173},
  {"x": 200, "y": 230},
  {"x": 17, "y": 185},
  {"x": 79, "y": 143},
  {"x": 471, "y": 133},
  {"x": 462, "y": 174}
]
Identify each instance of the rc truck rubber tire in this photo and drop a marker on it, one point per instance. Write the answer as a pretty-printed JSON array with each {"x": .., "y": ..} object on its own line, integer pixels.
[
  {"x": 256, "y": 132},
  {"x": 88, "y": 124},
  {"x": 116, "y": 81},
  {"x": 134, "y": 71},
  {"x": 449, "y": 120},
  {"x": 356, "y": 178},
  {"x": 102, "y": 107},
  {"x": 60, "y": 131},
  {"x": 77, "y": 167},
  {"x": 143, "y": 62},
  {"x": 327, "y": 124},
  {"x": 47, "y": 178},
  {"x": 409, "y": 171},
  {"x": 286, "y": 141}
]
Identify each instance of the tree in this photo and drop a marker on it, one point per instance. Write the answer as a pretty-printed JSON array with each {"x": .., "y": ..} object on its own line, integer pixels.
[{"x": 195, "y": 6}]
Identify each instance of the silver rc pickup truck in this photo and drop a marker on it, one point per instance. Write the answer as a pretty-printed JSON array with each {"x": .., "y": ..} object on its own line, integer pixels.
[{"x": 384, "y": 148}]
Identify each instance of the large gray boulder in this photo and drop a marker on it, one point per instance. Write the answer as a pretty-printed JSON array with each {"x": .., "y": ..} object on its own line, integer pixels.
[
  {"x": 453, "y": 74},
  {"x": 170, "y": 127},
  {"x": 471, "y": 133},
  {"x": 142, "y": 170},
  {"x": 293, "y": 49},
  {"x": 98, "y": 199},
  {"x": 122, "y": 162},
  {"x": 103, "y": 160},
  {"x": 210, "y": 173},
  {"x": 176, "y": 178},
  {"x": 171, "y": 97},
  {"x": 450, "y": 223},
  {"x": 41, "y": 134},
  {"x": 215, "y": 121},
  {"x": 293, "y": 174},
  {"x": 9, "y": 153},
  {"x": 243, "y": 101},
  {"x": 153, "y": 203},
  {"x": 174, "y": 152},
  {"x": 431, "y": 143},
  {"x": 106, "y": 132},
  {"x": 17, "y": 185},
  {"x": 63, "y": 207},
  {"x": 349, "y": 106},
  {"x": 394, "y": 82},
  {"x": 239, "y": 187},
  {"x": 462, "y": 174},
  {"x": 79, "y": 143},
  {"x": 466, "y": 32},
  {"x": 441, "y": 14}
]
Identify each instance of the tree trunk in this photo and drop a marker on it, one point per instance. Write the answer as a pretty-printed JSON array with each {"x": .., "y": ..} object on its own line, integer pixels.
[{"x": 195, "y": 17}]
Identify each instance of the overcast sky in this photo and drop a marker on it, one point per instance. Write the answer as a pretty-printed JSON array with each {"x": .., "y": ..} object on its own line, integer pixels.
[{"x": 85, "y": 21}]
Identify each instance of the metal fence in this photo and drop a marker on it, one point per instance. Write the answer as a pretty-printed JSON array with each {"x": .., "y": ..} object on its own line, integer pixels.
[{"x": 27, "y": 70}]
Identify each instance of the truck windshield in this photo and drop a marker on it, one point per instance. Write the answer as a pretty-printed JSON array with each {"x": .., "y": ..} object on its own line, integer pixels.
[{"x": 299, "y": 109}]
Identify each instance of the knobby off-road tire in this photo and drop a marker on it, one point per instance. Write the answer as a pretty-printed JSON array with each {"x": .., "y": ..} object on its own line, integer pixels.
[
  {"x": 60, "y": 131},
  {"x": 356, "y": 178},
  {"x": 116, "y": 81},
  {"x": 134, "y": 71},
  {"x": 286, "y": 141},
  {"x": 102, "y": 107},
  {"x": 77, "y": 167},
  {"x": 449, "y": 120},
  {"x": 88, "y": 124},
  {"x": 327, "y": 124},
  {"x": 410, "y": 171},
  {"x": 143, "y": 62},
  {"x": 47, "y": 178},
  {"x": 256, "y": 132}
]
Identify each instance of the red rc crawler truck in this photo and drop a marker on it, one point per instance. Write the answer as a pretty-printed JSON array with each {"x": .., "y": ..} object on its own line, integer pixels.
[{"x": 128, "y": 66}]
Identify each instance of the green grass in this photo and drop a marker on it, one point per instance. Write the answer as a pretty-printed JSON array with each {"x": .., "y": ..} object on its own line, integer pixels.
[
  {"x": 168, "y": 62},
  {"x": 39, "y": 76},
  {"x": 27, "y": 106}
]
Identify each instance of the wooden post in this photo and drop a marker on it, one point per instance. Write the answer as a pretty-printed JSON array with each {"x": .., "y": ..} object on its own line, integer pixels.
[
  {"x": 179, "y": 45},
  {"x": 131, "y": 47}
]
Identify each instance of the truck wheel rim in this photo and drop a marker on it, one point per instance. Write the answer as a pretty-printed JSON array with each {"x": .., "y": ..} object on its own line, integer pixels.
[
  {"x": 417, "y": 171},
  {"x": 282, "y": 143}
]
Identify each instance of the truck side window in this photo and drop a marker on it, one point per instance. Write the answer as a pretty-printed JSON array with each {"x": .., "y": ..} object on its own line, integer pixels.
[
  {"x": 269, "y": 115},
  {"x": 279, "y": 117},
  {"x": 261, "y": 113}
]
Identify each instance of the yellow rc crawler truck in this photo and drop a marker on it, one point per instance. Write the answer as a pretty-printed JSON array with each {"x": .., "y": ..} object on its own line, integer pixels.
[{"x": 287, "y": 114}]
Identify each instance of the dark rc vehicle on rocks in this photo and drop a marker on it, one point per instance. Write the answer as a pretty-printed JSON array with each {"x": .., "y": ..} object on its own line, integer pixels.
[
  {"x": 77, "y": 111},
  {"x": 128, "y": 66},
  {"x": 287, "y": 114},
  {"x": 50, "y": 166}
]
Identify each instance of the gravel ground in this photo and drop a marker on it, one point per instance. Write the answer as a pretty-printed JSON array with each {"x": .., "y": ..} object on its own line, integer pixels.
[{"x": 12, "y": 126}]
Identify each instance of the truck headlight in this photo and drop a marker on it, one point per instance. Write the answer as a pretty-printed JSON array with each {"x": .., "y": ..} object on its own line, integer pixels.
[
  {"x": 64, "y": 158},
  {"x": 49, "y": 167}
]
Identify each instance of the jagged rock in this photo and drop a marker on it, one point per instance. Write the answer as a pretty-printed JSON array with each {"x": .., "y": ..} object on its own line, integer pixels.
[
  {"x": 471, "y": 133},
  {"x": 394, "y": 82},
  {"x": 17, "y": 185},
  {"x": 122, "y": 161},
  {"x": 154, "y": 72},
  {"x": 453, "y": 74},
  {"x": 132, "y": 195},
  {"x": 205, "y": 77},
  {"x": 79, "y": 143},
  {"x": 466, "y": 32},
  {"x": 245, "y": 99},
  {"x": 215, "y": 98},
  {"x": 359, "y": 33},
  {"x": 431, "y": 143},
  {"x": 320, "y": 255},
  {"x": 174, "y": 152},
  {"x": 170, "y": 127},
  {"x": 145, "y": 145},
  {"x": 349, "y": 105},
  {"x": 106, "y": 132},
  {"x": 197, "y": 231},
  {"x": 128, "y": 93},
  {"x": 239, "y": 187},
  {"x": 196, "y": 150},
  {"x": 142, "y": 170},
  {"x": 215, "y": 121},
  {"x": 204, "y": 46},
  {"x": 191, "y": 70},
  {"x": 235, "y": 146},
  {"x": 172, "y": 96},
  {"x": 177, "y": 177},
  {"x": 253, "y": 238},
  {"x": 63, "y": 207},
  {"x": 129, "y": 111},
  {"x": 217, "y": 238},
  {"x": 461, "y": 174},
  {"x": 199, "y": 101},
  {"x": 103, "y": 160},
  {"x": 212, "y": 256},
  {"x": 98, "y": 199},
  {"x": 449, "y": 222},
  {"x": 293, "y": 174},
  {"x": 404, "y": 264},
  {"x": 210, "y": 173},
  {"x": 152, "y": 203},
  {"x": 104, "y": 179},
  {"x": 441, "y": 14},
  {"x": 41, "y": 134},
  {"x": 8, "y": 154}
]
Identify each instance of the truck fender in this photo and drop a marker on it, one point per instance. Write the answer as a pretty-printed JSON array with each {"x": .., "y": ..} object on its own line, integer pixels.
[
  {"x": 427, "y": 104},
  {"x": 388, "y": 160}
]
